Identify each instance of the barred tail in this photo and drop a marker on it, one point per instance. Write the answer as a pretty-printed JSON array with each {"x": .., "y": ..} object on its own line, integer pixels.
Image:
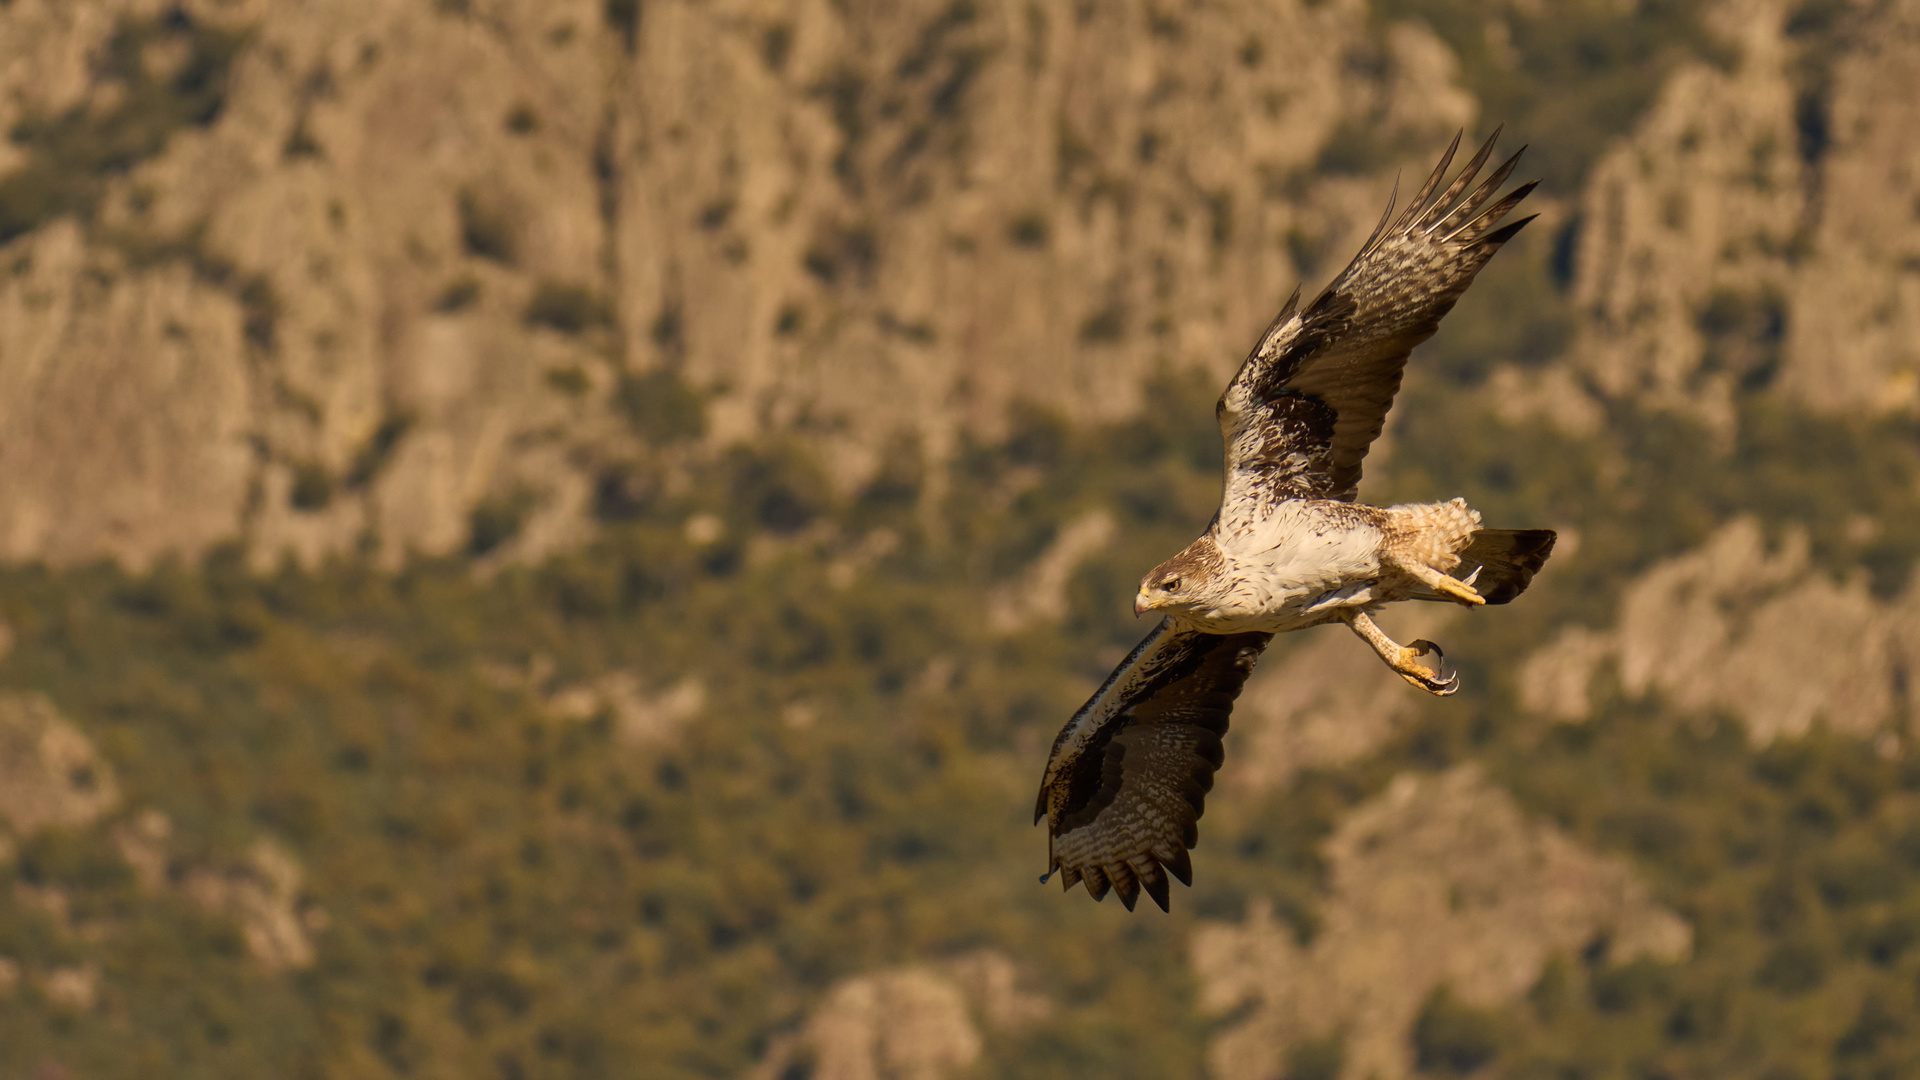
[
  {"x": 1498, "y": 563},
  {"x": 1506, "y": 560}
]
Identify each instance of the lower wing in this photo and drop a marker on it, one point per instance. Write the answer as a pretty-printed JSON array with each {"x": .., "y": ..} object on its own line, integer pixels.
[{"x": 1129, "y": 774}]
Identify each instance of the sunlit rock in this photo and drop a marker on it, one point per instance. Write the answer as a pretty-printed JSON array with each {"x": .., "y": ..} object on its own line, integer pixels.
[
  {"x": 415, "y": 273},
  {"x": 1759, "y": 634},
  {"x": 1441, "y": 880},
  {"x": 50, "y": 773},
  {"x": 924, "y": 1022}
]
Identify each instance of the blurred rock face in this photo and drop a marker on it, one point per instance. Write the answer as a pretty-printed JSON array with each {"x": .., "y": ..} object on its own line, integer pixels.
[
  {"x": 915, "y": 1023},
  {"x": 50, "y": 774},
  {"x": 1439, "y": 882},
  {"x": 1756, "y": 231},
  {"x": 369, "y": 266},
  {"x": 1760, "y": 635},
  {"x": 355, "y": 275},
  {"x": 359, "y": 270}
]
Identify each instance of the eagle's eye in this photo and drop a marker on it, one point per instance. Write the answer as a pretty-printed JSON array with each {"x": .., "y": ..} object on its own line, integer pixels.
[{"x": 1172, "y": 584}]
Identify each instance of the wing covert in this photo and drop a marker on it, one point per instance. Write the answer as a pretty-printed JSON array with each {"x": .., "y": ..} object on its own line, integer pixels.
[
  {"x": 1129, "y": 774},
  {"x": 1309, "y": 400}
]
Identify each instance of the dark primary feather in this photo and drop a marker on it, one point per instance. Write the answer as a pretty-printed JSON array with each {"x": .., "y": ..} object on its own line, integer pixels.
[
  {"x": 1129, "y": 774},
  {"x": 1311, "y": 397},
  {"x": 1502, "y": 562}
]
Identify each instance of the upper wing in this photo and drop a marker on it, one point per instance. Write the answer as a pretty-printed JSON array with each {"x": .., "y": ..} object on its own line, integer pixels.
[
  {"x": 1311, "y": 396},
  {"x": 1129, "y": 774}
]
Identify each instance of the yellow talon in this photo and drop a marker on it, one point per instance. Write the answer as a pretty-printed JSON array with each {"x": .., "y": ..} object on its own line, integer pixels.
[
  {"x": 1458, "y": 590},
  {"x": 1439, "y": 679}
]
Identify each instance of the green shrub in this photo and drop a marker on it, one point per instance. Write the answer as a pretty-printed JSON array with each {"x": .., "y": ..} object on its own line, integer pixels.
[
  {"x": 662, "y": 406},
  {"x": 570, "y": 309},
  {"x": 1453, "y": 1039}
]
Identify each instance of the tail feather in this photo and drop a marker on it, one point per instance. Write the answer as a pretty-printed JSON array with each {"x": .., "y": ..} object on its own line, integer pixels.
[{"x": 1502, "y": 562}]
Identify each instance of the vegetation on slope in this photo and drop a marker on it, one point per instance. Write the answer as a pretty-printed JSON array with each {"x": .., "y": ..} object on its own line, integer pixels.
[
  {"x": 508, "y": 893},
  {"x": 518, "y": 895}
]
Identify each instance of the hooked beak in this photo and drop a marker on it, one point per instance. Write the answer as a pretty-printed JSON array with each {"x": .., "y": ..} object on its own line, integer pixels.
[{"x": 1142, "y": 603}]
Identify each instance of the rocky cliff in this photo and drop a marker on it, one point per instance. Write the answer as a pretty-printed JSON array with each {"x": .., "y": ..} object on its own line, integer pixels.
[
  {"x": 1759, "y": 635},
  {"x": 335, "y": 276},
  {"x": 1438, "y": 882},
  {"x": 1755, "y": 232}
]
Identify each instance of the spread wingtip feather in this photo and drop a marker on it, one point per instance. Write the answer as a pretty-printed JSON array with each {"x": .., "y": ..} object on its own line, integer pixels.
[
  {"x": 1504, "y": 233},
  {"x": 1440, "y": 207},
  {"x": 1154, "y": 881},
  {"x": 1096, "y": 882},
  {"x": 1181, "y": 866},
  {"x": 1125, "y": 884},
  {"x": 1419, "y": 202}
]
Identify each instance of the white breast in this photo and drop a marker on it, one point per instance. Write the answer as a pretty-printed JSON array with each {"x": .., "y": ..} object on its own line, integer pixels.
[{"x": 1301, "y": 560}]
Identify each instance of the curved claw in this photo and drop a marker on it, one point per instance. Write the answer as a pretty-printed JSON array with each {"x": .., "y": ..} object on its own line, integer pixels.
[{"x": 1440, "y": 679}]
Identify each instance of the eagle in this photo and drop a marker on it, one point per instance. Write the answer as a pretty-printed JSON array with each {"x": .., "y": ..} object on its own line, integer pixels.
[{"x": 1290, "y": 547}]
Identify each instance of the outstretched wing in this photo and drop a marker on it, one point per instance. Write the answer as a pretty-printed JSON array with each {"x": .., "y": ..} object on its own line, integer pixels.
[
  {"x": 1312, "y": 395},
  {"x": 1129, "y": 774}
]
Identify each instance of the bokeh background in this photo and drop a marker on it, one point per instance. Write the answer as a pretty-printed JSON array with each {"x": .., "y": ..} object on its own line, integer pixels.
[{"x": 549, "y": 538}]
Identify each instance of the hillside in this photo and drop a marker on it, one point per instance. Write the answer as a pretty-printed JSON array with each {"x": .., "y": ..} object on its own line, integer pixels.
[{"x": 550, "y": 540}]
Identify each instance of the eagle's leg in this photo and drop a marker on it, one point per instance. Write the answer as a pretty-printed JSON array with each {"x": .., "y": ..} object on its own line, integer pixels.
[
  {"x": 1450, "y": 587},
  {"x": 1404, "y": 659}
]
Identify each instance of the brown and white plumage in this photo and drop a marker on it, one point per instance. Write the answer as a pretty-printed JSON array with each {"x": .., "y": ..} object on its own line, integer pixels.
[
  {"x": 1313, "y": 394},
  {"x": 1127, "y": 779}
]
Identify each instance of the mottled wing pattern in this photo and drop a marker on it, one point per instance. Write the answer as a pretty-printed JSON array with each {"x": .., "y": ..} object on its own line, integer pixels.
[
  {"x": 1312, "y": 395},
  {"x": 1129, "y": 774}
]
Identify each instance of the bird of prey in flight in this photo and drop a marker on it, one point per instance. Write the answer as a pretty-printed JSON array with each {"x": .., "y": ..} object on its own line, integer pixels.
[{"x": 1289, "y": 547}]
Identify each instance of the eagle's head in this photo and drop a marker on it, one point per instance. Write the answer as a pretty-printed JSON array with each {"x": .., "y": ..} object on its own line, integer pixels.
[{"x": 1190, "y": 583}]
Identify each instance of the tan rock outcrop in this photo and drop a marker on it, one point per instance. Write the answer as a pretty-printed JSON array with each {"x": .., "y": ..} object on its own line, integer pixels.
[
  {"x": 1853, "y": 343},
  {"x": 640, "y": 718},
  {"x": 1757, "y": 229},
  {"x": 1759, "y": 634},
  {"x": 1699, "y": 206},
  {"x": 124, "y": 404},
  {"x": 911, "y": 1023},
  {"x": 50, "y": 774},
  {"x": 75, "y": 988},
  {"x": 143, "y": 842},
  {"x": 1040, "y": 596},
  {"x": 1440, "y": 880},
  {"x": 261, "y": 894}
]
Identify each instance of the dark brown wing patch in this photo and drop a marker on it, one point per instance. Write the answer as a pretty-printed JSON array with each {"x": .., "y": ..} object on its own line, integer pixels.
[
  {"x": 1312, "y": 396},
  {"x": 1129, "y": 774}
]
